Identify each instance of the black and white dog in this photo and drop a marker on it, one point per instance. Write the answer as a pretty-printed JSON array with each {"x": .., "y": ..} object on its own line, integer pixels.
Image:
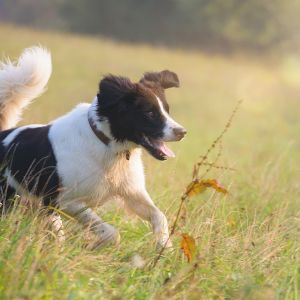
[{"x": 91, "y": 154}]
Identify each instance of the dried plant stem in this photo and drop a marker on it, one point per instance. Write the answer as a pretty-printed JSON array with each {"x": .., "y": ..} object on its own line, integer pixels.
[
  {"x": 214, "y": 166},
  {"x": 216, "y": 141},
  {"x": 210, "y": 166},
  {"x": 195, "y": 175}
]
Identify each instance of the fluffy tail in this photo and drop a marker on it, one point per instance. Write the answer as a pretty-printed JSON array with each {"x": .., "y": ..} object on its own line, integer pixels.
[{"x": 21, "y": 82}]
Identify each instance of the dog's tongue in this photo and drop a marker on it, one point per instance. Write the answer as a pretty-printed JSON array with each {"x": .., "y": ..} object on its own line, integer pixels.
[{"x": 166, "y": 150}]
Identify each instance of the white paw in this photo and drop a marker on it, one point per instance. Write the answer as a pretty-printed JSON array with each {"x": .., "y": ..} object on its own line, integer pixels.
[{"x": 107, "y": 235}]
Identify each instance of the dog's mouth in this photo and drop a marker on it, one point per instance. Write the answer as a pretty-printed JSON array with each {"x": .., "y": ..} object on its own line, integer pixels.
[{"x": 157, "y": 148}]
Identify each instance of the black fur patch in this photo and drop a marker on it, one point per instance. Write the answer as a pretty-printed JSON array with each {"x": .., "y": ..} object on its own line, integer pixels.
[
  {"x": 133, "y": 111},
  {"x": 158, "y": 82},
  {"x": 31, "y": 161}
]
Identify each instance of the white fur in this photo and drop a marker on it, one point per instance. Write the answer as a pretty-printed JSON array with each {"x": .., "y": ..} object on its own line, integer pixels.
[
  {"x": 21, "y": 82},
  {"x": 169, "y": 134}
]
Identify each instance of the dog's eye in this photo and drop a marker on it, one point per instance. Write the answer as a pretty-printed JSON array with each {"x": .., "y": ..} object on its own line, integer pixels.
[{"x": 150, "y": 114}]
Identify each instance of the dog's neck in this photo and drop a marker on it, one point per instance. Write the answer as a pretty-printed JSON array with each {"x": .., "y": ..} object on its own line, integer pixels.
[
  {"x": 100, "y": 124},
  {"x": 101, "y": 128},
  {"x": 102, "y": 133}
]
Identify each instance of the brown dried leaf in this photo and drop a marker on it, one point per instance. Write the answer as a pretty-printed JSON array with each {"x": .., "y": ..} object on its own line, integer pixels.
[
  {"x": 213, "y": 183},
  {"x": 197, "y": 187},
  {"x": 188, "y": 246}
]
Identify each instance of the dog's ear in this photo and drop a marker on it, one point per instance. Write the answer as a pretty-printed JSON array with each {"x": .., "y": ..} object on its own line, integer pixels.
[
  {"x": 113, "y": 88},
  {"x": 166, "y": 79}
]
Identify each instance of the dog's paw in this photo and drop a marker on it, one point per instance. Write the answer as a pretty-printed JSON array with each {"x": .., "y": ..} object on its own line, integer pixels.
[{"x": 107, "y": 235}]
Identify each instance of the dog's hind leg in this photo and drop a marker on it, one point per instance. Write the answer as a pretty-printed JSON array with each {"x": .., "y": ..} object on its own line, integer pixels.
[{"x": 105, "y": 232}]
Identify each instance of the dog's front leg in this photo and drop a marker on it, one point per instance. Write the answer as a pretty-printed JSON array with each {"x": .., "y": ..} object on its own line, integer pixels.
[
  {"x": 105, "y": 232},
  {"x": 141, "y": 204}
]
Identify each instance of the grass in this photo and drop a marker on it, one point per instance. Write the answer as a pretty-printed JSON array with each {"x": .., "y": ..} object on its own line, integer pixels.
[{"x": 248, "y": 243}]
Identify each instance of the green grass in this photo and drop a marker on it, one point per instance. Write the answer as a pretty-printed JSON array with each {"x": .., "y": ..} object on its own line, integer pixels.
[{"x": 248, "y": 243}]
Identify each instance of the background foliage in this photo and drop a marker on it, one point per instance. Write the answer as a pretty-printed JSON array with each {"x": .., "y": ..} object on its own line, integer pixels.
[{"x": 212, "y": 25}]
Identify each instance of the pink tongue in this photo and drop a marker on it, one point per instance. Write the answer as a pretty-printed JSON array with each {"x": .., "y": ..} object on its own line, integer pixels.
[{"x": 166, "y": 151}]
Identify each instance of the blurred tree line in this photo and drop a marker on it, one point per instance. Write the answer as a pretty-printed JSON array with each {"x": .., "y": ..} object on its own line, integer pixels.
[{"x": 215, "y": 25}]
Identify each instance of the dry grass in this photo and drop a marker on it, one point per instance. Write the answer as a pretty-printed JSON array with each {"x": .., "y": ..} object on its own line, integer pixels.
[{"x": 247, "y": 242}]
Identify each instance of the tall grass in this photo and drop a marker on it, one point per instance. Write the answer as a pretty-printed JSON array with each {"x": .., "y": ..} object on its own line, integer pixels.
[{"x": 247, "y": 242}]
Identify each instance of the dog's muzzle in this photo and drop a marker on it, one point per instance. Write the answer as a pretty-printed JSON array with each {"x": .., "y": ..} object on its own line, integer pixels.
[
  {"x": 179, "y": 133},
  {"x": 174, "y": 134}
]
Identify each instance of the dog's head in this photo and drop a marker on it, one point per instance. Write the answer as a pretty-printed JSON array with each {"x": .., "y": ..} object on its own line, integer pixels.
[{"x": 139, "y": 112}]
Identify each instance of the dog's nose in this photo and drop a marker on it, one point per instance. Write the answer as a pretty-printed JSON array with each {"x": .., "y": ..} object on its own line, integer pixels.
[{"x": 179, "y": 132}]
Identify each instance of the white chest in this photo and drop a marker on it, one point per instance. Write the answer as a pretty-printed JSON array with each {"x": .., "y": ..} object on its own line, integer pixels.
[{"x": 98, "y": 183}]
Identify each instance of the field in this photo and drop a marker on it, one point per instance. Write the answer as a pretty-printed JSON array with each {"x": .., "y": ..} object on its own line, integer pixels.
[{"x": 248, "y": 242}]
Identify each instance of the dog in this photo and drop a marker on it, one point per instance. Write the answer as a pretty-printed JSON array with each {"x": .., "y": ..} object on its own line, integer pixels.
[{"x": 91, "y": 154}]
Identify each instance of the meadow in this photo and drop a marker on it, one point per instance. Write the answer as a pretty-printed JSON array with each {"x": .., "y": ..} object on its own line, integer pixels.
[{"x": 247, "y": 242}]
